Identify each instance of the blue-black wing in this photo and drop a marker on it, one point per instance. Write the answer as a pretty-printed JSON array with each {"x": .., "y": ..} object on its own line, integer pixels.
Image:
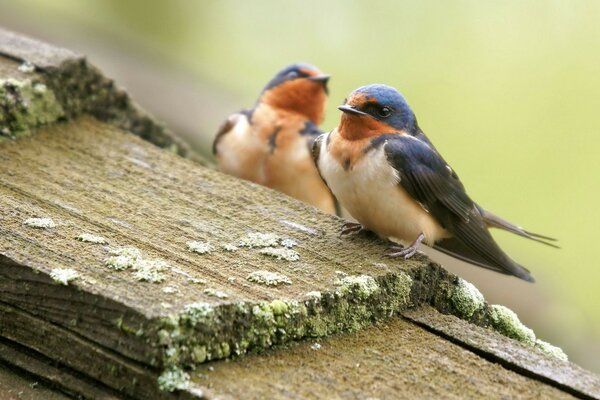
[{"x": 429, "y": 180}]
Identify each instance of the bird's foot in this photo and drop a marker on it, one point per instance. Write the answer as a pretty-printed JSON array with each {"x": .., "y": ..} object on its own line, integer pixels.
[
  {"x": 406, "y": 252},
  {"x": 350, "y": 227}
]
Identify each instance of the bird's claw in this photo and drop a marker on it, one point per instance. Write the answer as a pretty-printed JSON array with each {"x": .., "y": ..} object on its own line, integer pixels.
[
  {"x": 349, "y": 228},
  {"x": 405, "y": 252}
]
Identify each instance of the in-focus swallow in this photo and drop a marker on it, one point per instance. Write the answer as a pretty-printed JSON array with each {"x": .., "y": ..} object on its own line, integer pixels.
[
  {"x": 270, "y": 143},
  {"x": 384, "y": 170}
]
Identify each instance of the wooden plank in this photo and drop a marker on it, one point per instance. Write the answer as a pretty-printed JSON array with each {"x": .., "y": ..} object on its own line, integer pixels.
[
  {"x": 514, "y": 355},
  {"x": 394, "y": 360},
  {"x": 47, "y": 84},
  {"x": 14, "y": 385},
  {"x": 92, "y": 178}
]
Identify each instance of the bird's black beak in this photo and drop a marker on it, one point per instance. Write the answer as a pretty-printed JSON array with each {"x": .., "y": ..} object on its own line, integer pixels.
[
  {"x": 351, "y": 110},
  {"x": 322, "y": 79}
]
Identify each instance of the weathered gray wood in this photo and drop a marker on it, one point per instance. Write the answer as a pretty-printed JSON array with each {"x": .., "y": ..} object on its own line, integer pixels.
[
  {"x": 15, "y": 385},
  {"x": 393, "y": 360},
  {"x": 48, "y": 84},
  {"x": 510, "y": 353}
]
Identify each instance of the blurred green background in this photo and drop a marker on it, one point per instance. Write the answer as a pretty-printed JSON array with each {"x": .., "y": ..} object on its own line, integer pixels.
[{"x": 509, "y": 93}]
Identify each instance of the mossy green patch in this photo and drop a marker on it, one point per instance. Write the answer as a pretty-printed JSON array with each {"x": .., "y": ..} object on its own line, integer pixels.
[
  {"x": 466, "y": 299},
  {"x": 551, "y": 350},
  {"x": 24, "y": 105},
  {"x": 505, "y": 321},
  {"x": 204, "y": 331},
  {"x": 173, "y": 379}
]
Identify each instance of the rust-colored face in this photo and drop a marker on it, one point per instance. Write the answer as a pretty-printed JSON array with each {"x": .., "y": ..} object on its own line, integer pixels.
[
  {"x": 356, "y": 123},
  {"x": 305, "y": 93}
]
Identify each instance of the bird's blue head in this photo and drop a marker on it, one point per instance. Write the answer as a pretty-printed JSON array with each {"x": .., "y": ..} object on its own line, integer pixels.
[
  {"x": 298, "y": 71},
  {"x": 376, "y": 109},
  {"x": 300, "y": 88}
]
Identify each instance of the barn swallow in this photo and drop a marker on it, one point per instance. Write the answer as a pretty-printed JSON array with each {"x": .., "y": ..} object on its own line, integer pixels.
[
  {"x": 388, "y": 175},
  {"x": 270, "y": 143}
]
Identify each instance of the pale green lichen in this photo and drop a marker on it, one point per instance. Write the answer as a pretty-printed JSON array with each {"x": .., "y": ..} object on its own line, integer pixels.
[
  {"x": 26, "y": 67},
  {"x": 363, "y": 285},
  {"x": 174, "y": 379},
  {"x": 200, "y": 247},
  {"x": 26, "y": 104},
  {"x": 257, "y": 239},
  {"x": 40, "y": 223},
  {"x": 268, "y": 278},
  {"x": 90, "y": 238},
  {"x": 64, "y": 275},
  {"x": 551, "y": 350},
  {"x": 505, "y": 321},
  {"x": 466, "y": 299},
  {"x": 281, "y": 253},
  {"x": 123, "y": 258},
  {"x": 169, "y": 289},
  {"x": 196, "y": 313},
  {"x": 278, "y": 307},
  {"x": 314, "y": 295},
  {"x": 204, "y": 331},
  {"x": 289, "y": 243},
  {"x": 216, "y": 293},
  {"x": 230, "y": 247},
  {"x": 148, "y": 270}
]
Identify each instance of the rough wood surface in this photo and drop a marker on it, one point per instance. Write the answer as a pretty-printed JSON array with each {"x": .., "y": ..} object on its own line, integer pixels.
[
  {"x": 108, "y": 326},
  {"x": 17, "y": 386},
  {"x": 393, "y": 360},
  {"x": 502, "y": 350}
]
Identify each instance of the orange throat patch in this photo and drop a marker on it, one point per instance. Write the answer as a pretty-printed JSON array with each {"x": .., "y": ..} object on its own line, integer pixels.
[
  {"x": 301, "y": 96},
  {"x": 359, "y": 127}
]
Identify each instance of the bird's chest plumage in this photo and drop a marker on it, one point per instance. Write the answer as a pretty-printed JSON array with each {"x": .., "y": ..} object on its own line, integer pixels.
[{"x": 368, "y": 187}]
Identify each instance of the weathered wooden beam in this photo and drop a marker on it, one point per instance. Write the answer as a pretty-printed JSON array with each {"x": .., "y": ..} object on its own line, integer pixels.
[
  {"x": 18, "y": 385},
  {"x": 392, "y": 360},
  {"x": 41, "y": 84},
  {"x": 128, "y": 266}
]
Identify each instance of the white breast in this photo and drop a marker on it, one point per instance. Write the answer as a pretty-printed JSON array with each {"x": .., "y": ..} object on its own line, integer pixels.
[{"x": 371, "y": 193}]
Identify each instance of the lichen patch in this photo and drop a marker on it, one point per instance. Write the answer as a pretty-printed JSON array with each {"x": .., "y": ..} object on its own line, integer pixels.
[
  {"x": 257, "y": 239},
  {"x": 363, "y": 285},
  {"x": 268, "y": 278},
  {"x": 215, "y": 293},
  {"x": 90, "y": 238},
  {"x": 551, "y": 350},
  {"x": 200, "y": 247},
  {"x": 281, "y": 253},
  {"x": 148, "y": 270},
  {"x": 173, "y": 379},
  {"x": 505, "y": 321},
  {"x": 64, "y": 275},
  {"x": 466, "y": 299},
  {"x": 230, "y": 247},
  {"x": 26, "y": 104},
  {"x": 40, "y": 223}
]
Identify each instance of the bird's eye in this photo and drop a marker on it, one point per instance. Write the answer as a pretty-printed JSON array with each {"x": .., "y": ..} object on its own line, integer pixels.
[
  {"x": 384, "y": 112},
  {"x": 293, "y": 74}
]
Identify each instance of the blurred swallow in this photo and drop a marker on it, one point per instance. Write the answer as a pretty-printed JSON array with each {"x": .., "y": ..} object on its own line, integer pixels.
[
  {"x": 384, "y": 170},
  {"x": 270, "y": 143}
]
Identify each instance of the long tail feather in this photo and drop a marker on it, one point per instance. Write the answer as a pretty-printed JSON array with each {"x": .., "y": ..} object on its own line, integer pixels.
[{"x": 495, "y": 221}]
